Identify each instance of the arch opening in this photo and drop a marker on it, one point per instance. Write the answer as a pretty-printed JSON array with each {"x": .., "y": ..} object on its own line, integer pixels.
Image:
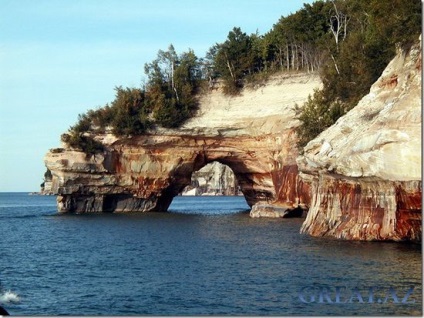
[
  {"x": 213, "y": 188},
  {"x": 213, "y": 179},
  {"x": 143, "y": 180}
]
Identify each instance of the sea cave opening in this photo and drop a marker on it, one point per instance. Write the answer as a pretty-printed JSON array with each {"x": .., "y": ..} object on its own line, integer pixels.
[{"x": 213, "y": 190}]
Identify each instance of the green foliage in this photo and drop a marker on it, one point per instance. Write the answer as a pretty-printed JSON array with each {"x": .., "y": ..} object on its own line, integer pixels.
[
  {"x": 315, "y": 116},
  {"x": 168, "y": 115},
  {"x": 349, "y": 42},
  {"x": 82, "y": 142},
  {"x": 234, "y": 59},
  {"x": 101, "y": 118},
  {"x": 130, "y": 116},
  {"x": 83, "y": 124},
  {"x": 354, "y": 63},
  {"x": 396, "y": 21},
  {"x": 125, "y": 116},
  {"x": 172, "y": 83},
  {"x": 168, "y": 100}
]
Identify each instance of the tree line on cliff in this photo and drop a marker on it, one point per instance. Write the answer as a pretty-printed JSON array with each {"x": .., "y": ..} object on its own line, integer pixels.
[{"x": 348, "y": 42}]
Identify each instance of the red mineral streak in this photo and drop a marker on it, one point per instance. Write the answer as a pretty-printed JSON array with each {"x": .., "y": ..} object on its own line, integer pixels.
[
  {"x": 155, "y": 168},
  {"x": 290, "y": 187},
  {"x": 364, "y": 210}
]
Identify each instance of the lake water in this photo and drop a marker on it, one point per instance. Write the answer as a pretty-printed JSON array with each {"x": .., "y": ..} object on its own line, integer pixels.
[{"x": 205, "y": 257}]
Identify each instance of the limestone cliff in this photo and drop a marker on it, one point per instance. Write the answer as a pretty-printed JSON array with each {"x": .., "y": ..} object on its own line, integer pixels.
[
  {"x": 252, "y": 133},
  {"x": 365, "y": 171}
]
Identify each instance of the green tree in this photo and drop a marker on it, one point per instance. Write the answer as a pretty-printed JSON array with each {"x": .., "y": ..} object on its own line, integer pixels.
[
  {"x": 172, "y": 83},
  {"x": 234, "y": 59},
  {"x": 349, "y": 42},
  {"x": 126, "y": 116},
  {"x": 130, "y": 115},
  {"x": 316, "y": 115},
  {"x": 299, "y": 40},
  {"x": 365, "y": 34}
]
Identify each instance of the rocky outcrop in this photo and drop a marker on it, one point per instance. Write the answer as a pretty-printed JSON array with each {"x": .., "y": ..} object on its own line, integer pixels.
[
  {"x": 46, "y": 186},
  {"x": 365, "y": 171},
  {"x": 276, "y": 211},
  {"x": 360, "y": 179},
  {"x": 213, "y": 179},
  {"x": 252, "y": 133}
]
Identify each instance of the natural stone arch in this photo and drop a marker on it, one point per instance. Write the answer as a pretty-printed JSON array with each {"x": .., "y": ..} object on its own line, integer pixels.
[
  {"x": 250, "y": 184},
  {"x": 253, "y": 133},
  {"x": 245, "y": 179},
  {"x": 145, "y": 173}
]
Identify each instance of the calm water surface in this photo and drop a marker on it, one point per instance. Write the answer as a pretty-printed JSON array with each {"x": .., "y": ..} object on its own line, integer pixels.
[{"x": 205, "y": 257}]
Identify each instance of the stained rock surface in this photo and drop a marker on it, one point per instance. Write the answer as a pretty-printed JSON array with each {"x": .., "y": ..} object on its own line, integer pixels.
[
  {"x": 365, "y": 171},
  {"x": 252, "y": 133},
  {"x": 359, "y": 180}
]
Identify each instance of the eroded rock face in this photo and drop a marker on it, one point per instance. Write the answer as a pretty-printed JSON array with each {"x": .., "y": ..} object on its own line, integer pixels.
[
  {"x": 253, "y": 134},
  {"x": 146, "y": 172},
  {"x": 365, "y": 171}
]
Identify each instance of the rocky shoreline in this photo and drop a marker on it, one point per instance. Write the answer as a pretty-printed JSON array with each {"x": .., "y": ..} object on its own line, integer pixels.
[{"x": 358, "y": 180}]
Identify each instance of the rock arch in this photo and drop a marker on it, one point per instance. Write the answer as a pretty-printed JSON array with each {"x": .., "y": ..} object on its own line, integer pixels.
[
  {"x": 252, "y": 133},
  {"x": 145, "y": 173}
]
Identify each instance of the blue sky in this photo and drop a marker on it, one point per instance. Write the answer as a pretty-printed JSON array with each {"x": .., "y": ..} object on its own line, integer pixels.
[{"x": 59, "y": 58}]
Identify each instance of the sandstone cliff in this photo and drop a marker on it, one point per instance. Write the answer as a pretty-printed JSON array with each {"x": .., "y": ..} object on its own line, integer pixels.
[
  {"x": 361, "y": 178},
  {"x": 213, "y": 179},
  {"x": 365, "y": 171},
  {"x": 252, "y": 133}
]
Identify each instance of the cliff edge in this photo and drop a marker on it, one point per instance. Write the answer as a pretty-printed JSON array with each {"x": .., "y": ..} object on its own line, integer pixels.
[{"x": 365, "y": 170}]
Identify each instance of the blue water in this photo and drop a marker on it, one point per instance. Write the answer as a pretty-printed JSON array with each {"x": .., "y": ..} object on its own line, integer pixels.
[{"x": 205, "y": 257}]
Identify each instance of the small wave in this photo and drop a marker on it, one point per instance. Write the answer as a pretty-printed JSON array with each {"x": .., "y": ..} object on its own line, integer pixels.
[
  {"x": 27, "y": 216},
  {"x": 9, "y": 297}
]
